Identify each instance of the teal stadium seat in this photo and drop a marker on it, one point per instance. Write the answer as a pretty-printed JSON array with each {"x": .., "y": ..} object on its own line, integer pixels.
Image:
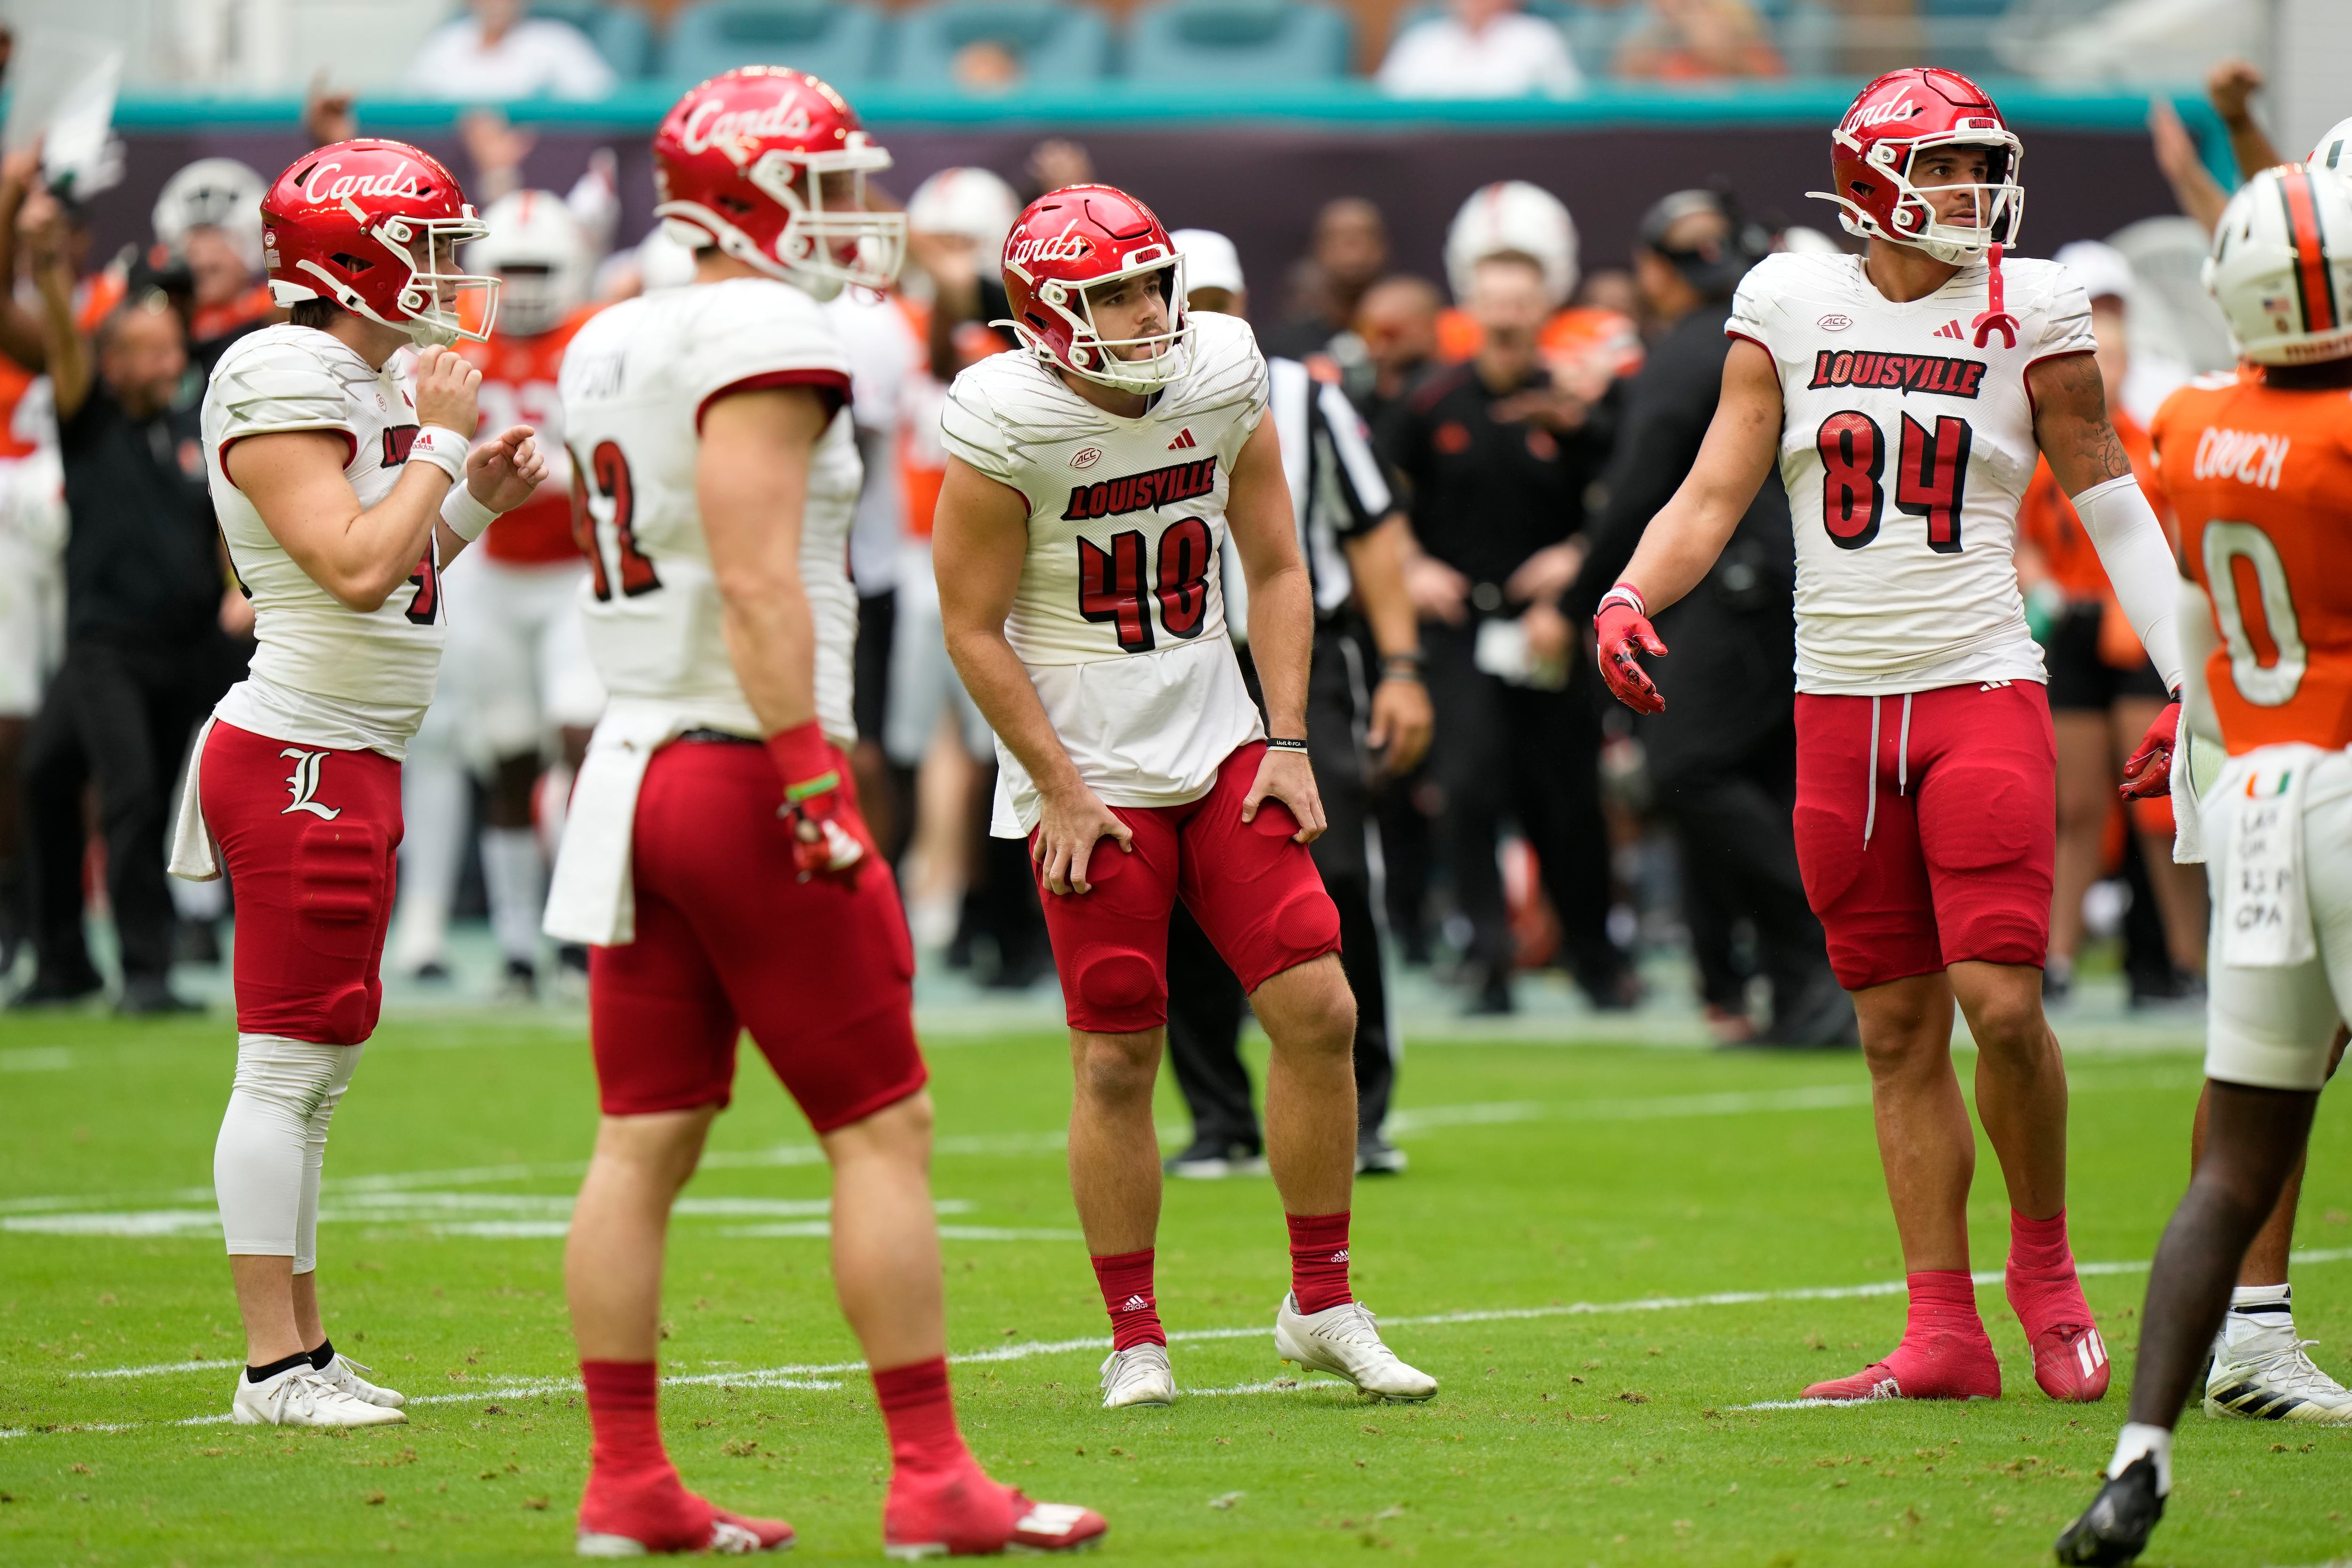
[
  {"x": 622, "y": 34},
  {"x": 1057, "y": 44},
  {"x": 1245, "y": 41},
  {"x": 1959, "y": 34},
  {"x": 829, "y": 38}
]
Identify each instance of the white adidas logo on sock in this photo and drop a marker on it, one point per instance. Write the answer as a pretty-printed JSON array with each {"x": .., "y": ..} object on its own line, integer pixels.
[
  {"x": 1136, "y": 1304},
  {"x": 1341, "y": 1256}
]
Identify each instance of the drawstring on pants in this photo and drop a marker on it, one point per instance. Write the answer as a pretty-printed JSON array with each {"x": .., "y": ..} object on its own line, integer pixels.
[{"x": 1902, "y": 766}]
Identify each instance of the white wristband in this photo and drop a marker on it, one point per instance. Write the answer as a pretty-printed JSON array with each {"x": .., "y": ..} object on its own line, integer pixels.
[
  {"x": 466, "y": 516},
  {"x": 1624, "y": 594},
  {"x": 443, "y": 448}
]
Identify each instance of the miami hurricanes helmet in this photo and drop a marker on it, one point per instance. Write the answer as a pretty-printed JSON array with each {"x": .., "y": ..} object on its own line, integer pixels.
[
  {"x": 2334, "y": 153},
  {"x": 770, "y": 165},
  {"x": 213, "y": 193},
  {"x": 541, "y": 256},
  {"x": 970, "y": 204},
  {"x": 1512, "y": 216},
  {"x": 1890, "y": 123},
  {"x": 1070, "y": 241},
  {"x": 2281, "y": 266},
  {"x": 375, "y": 226}
]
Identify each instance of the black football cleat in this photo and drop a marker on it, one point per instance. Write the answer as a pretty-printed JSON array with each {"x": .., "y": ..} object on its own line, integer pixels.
[{"x": 2114, "y": 1529}]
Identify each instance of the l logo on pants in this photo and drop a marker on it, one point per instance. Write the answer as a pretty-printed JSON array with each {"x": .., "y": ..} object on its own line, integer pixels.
[{"x": 303, "y": 783}]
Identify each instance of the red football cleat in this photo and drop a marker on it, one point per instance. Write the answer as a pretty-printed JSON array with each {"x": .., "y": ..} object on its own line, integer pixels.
[
  {"x": 639, "y": 1515},
  {"x": 2070, "y": 1360},
  {"x": 1957, "y": 1365},
  {"x": 963, "y": 1513}
]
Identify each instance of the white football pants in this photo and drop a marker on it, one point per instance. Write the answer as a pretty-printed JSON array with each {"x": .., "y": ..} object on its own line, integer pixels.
[{"x": 273, "y": 1141}]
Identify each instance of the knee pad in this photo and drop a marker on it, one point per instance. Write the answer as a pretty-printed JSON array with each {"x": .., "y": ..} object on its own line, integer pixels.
[
  {"x": 1307, "y": 922},
  {"x": 343, "y": 877},
  {"x": 1115, "y": 979}
]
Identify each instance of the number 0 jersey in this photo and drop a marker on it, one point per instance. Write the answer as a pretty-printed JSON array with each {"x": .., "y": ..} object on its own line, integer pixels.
[
  {"x": 2260, "y": 481},
  {"x": 1906, "y": 449},
  {"x": 1120, "y": 613},
  {"x": 635, "y": 383},
  {"x": 324, "y": 675}
]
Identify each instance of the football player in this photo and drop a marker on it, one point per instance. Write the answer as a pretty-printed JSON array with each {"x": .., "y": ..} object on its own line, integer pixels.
[
  {"x": 209, "y": 224},
  {"x": 1092, "y": 480},
  {"x": 714, "y": 855},
  {"x": 346, "y": 477},
  {"x": 1903, "y": 394},
  {"x": 2258, "y": 467},
  {"x": 516, "y": 643}
]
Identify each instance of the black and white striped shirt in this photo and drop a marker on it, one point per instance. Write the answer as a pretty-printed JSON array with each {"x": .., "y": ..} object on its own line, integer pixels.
[{"x": 1337, "y": 488}]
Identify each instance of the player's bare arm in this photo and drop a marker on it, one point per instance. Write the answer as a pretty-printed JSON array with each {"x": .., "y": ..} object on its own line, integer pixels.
[
  {"x": 1680, "y": 545},
  {"x": 1281, "y": 625},
  {"x": 361, "y": 554},
  {"x": 979, "y": 539},
  {"x": 1402, "y": 720},
  {"x": 2070, "y": 422},
  {"x": 752, "y": 482}
]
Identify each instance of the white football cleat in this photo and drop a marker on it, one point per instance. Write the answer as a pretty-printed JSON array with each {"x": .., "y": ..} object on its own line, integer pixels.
[
  {"x": 1138, "y": 1375},
  {"x": 1345, "y": 1341},
  {"x": 2266, "y": 1376},
  {"x": 344, "y": 1373},
  {"x": 300, "y": 1397}
]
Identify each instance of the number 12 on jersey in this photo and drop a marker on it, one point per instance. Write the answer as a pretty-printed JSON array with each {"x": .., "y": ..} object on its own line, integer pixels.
[
  {"x": 1931, "y": 476},
  {"x": 1111, "y": 582},
  {"x": 606, "y": 473}
]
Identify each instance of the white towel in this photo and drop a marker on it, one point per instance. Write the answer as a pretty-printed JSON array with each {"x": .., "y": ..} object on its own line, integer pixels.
[
  {"x": 592, "y": 897},
  {"x": 2188, "y": 826},
  {"x": 2265, "y": 907},
  {"x": 194, "y": 857}
]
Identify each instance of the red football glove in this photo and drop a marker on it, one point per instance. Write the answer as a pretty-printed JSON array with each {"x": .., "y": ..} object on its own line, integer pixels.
[
  {"x": 2147, "y": 773},
  {"x": 1621, "y": 626},
  {"x": 824, "y": 843}
]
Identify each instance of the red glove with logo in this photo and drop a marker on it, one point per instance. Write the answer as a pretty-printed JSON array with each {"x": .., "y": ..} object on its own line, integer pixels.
[
  {"x": 2147, "y": 773},
  {"x": 825, "y": 844},
  {"x": 1622, "y": 626}
]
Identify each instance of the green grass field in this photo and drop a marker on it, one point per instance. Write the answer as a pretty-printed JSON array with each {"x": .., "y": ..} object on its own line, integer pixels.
[{"x": 1565, "y": 1205}]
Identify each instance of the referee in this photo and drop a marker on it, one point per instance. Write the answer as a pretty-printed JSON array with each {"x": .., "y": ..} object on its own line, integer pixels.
[{"x": 1367, "y": 715}]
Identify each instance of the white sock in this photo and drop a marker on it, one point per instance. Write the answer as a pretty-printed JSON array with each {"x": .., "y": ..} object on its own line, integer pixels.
[
  {"x": 433, "y": 809},
  {"x": 264, "y": 1171},
  {"x": 2257, "y": 1309},
  {"x": 2136, "y": 1439},
  {"x": 511, "y": 870}
]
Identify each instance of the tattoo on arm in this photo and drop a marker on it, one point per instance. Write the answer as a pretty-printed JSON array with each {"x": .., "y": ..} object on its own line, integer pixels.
[{"x": 2070, "y": 423}]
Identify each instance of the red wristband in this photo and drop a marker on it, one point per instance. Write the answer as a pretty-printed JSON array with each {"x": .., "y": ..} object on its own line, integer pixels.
[{"x": 807, "y": 761}]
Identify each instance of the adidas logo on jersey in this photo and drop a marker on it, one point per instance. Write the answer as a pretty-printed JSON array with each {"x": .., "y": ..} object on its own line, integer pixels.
[
  {"x": 1184, "y": 440},
  {"x": 1899, "y": 372},
  {"x": 1952, "y": 329}
]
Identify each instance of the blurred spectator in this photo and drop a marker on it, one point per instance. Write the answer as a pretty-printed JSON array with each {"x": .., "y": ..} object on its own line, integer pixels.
[
  {"x": 985, "y": 66},
  {"x": 1480, "y": 49},
  {"x": 1613, "y": 289},
  {"x": 1498, "y": 457},
  {"x": 1397, "y": 324},
  {"x": 1350, "y": 248},
  {"x": 498, "y": 52},
  {"x": 1054, "y": 163},
  {"x": 146, "y": 652},
  {"x": 1686, "y": 40},
  {"x": 2230, "y": 87},
  {"x": 1722, "y": 757},
  {"x": 208, "y": 226},
  {"x": 2101, "y": 683}
]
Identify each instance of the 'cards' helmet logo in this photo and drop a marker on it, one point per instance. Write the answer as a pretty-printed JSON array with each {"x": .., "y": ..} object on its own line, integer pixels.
[
  {"x": 1068, "y": 246},
  {"x": 1141, "y": 492},
  {"x": 407, "y": 180},
  {"x": 739, "y": 133},
  {"x": 1899, "y": 372},
  {"x": 1902, "y": 108}
]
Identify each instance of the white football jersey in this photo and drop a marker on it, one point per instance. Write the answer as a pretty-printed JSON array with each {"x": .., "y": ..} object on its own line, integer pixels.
[
  {"x": 634, "y": 384},
  {"x": 340, "y": 677},
  {"x": 1120, "y": 613},
  {"x": 1906, "y": 449}
]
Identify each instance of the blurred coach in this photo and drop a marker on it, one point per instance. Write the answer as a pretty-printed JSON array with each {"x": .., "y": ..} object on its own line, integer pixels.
[{"x": 1722, "y": 756}]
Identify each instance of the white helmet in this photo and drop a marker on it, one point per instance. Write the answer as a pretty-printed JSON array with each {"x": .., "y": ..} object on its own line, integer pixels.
[
  {"x": 214, "y": 193},
  {"x": 537, "y": 249},
  {"x": 971, "y": 203},
  {"x": 663, "y": 262},
  {"x": 2281, "y": 266},
  {"x": 2334, "y": 148},
  {"x": 1513, "y": 216}
]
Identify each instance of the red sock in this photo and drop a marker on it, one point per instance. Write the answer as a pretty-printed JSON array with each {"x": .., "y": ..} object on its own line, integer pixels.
[
  {"x": 1318, "y": 1260},
  {"x": 2038, "y": 1248},
  {"x": 921, "y": 1415},
  {"x": 621, "y": 1416},
  {"x": 1126, "y": 1281}
]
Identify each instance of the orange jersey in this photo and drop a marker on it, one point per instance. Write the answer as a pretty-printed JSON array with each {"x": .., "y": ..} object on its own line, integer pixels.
[
  {"x": 519, "y": 389},
  {"x": 1578, "y": 334},
  {"x": 2260, "y": 481},
  {"x": 2046, "y": 522}
]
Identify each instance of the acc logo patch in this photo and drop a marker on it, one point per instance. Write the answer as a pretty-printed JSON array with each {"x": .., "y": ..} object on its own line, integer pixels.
[
  {"x": 1087, "y": 458},
  {"x": 1834, "y": 322}
]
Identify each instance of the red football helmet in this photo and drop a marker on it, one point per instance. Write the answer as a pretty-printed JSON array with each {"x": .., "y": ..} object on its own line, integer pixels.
[
  {"x": 1070, "y": 241},
  {"x": 770, "y": 165},
  {"x": 1891, "y": 122},
  {"x": 375, "y": 226}
]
